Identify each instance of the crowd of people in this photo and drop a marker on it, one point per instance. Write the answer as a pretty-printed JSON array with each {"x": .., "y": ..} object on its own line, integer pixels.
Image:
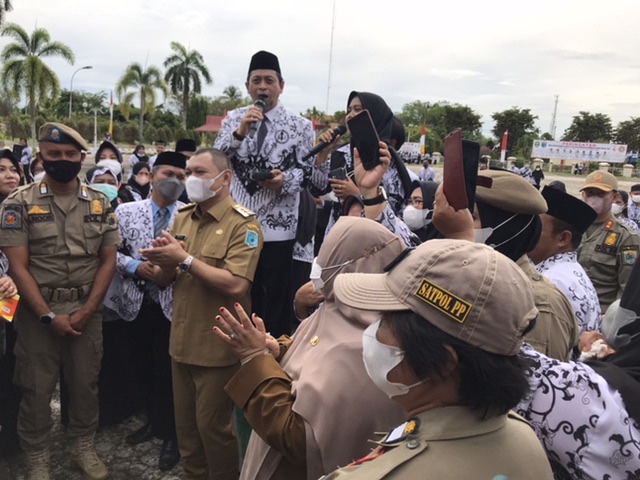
[{"x": 326, "y": 301}]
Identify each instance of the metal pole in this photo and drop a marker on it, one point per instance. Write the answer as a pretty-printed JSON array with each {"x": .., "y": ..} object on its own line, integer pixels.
[
  {"x": 95, "y": 130},
  {"x": 71, "y": 87}
]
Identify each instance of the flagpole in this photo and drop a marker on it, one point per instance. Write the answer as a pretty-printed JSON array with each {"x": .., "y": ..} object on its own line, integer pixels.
[{"x": 111, "y": 118}]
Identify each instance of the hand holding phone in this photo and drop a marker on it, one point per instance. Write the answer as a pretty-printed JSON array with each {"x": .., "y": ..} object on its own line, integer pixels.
[
  {"x": 339, "y": 173},
  {"x": 365, "y": 138},
  {"x": 262, "y": 175}
]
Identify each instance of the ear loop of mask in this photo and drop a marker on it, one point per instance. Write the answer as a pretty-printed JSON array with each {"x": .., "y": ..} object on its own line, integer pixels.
[
  {"x": 514, "y": 236},
  {"x": 316, "y": 270}
]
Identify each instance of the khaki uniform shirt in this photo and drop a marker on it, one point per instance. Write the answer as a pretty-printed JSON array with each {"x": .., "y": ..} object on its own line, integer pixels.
[
  {"x": 556, "y": 330},
  {"x": 63, "y": 246},
  {"x": 453, "y": 442},
  {"x": 226, "y": 236},
  {"x": 607, "y": 252}
]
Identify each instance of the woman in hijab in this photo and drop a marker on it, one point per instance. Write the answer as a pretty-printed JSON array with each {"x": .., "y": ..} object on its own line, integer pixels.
[
  {"x": 106, "y": 181},
  {"x": 11, "y": 175},
  {"x": 138, "y": 156},
  {"x": 419, "y": 210},
  {"x": 396, "y": 180},
  {"x": 322, "y": 407},
  {"x": 139, "y": 185}
]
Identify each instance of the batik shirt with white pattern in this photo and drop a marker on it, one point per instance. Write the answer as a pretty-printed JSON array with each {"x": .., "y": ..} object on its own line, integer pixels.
[
  {"x": 568, "y": 275},
  {"x": 580, "y": 420}
]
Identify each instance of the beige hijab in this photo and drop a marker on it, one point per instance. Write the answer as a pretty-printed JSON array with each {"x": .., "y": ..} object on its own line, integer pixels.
[{"x": 341, "y": 406}]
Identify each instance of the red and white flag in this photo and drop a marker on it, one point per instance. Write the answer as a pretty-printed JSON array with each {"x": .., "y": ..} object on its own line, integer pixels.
[
  {"x": 503, "y": 147},
  {"x": 423, "y": 141}
]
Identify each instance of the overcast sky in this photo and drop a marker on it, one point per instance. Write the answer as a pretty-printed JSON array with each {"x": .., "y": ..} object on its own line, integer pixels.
[{"x": 490, "y": 55}]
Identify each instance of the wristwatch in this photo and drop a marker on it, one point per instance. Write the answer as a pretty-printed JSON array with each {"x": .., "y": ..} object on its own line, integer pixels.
[
  {"x": 185, "y": 265},
  {"x": 377, "y": 200},
  {"x": 47, "y": 318}
]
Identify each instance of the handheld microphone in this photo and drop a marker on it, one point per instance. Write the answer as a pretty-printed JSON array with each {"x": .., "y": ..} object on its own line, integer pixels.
[
  {"x": 259, "y": 104},
  {"x": 339, "y": 130}
]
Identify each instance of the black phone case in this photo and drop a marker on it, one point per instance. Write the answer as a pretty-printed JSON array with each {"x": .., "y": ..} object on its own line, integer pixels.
[{"x": 365, "y": 138}]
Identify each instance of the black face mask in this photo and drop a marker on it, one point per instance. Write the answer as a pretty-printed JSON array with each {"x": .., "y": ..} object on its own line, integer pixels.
[{"x": 62, "y": 171}]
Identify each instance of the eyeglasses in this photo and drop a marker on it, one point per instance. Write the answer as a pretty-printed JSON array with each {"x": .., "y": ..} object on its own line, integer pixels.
[{"x": 415, "y": 201}]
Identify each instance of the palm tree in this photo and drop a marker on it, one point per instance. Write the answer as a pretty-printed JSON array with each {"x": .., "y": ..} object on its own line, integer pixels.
[
  {"x": 145, "y": 83},
  {"x": 24, "y": 71},
  {"x": 184, "y": 71},
  {"x": 5, "y": 6}
]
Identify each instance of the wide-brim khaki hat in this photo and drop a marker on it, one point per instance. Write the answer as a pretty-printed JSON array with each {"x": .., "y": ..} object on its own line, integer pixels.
[
  {"x": 465, "y": 289},
  {"x": 601, "y": 180}
]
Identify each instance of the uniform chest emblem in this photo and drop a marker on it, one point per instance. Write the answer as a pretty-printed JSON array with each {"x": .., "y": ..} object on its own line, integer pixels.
[
  {"x": 282, "y": 136},
  {"x": 96, "y": 207},
  {"x": 611, "y": 239},
  {"x": 38, "y": 210}
]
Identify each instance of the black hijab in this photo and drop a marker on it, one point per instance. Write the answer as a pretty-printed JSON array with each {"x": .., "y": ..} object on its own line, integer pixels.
[
  {"x": 383, "y": 120},
  {"x": 143, "y": 190},
  {"x": 8, "y": 154},
  {"x": 428, "y": 189}
]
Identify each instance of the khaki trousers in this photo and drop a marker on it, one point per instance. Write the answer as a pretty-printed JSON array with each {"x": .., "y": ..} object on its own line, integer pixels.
[
  {"x": 204, "y": 414},
  {"x": 40, "y": 354}
]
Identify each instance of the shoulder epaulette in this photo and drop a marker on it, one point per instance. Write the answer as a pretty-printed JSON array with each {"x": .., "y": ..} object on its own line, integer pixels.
[
  {"x": 188, "y": 206},
  {"x": 245, "y": 212}
]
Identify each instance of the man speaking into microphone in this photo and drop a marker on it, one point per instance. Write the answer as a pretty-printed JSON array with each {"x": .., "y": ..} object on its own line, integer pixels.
[{"x": 267, "y": 144}]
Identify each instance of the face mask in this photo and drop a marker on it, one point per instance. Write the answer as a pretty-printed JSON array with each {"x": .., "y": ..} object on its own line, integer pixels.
[
  {"x": 140, "y": 156},
  {"x": 635, "y": 198},
  {"x": 38, "y": 176},
  {"x": 112, "y": 165},
  {"x": 415, "y": 218},
  {"x": 62, "y": 171},
  {"x": 109, "y": 190},
  {"x": 483, "y": 234},
  {"x": 616, "y": 209},
  {"x": 597, "y": 203},
  {"x": 142, "y": 180},
  {"x": 199, "y": 189},
  {"x": 170, "y": 188},
  {"x": 380, "y": 359}
]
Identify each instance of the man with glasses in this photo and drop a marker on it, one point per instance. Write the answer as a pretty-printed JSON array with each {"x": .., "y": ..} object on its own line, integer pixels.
[
  {"x": 60, "y": 238},
  {"x": 609, "y": 249}
]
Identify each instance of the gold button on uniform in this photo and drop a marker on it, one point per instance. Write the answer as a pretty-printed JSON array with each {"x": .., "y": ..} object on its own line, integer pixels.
[{"x": 314, "y": 341}]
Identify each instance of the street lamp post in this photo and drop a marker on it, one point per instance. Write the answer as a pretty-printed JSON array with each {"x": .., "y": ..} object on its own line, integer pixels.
[
  {"x": 96, "y": 110},
  {"x": 87, "y": 67}
]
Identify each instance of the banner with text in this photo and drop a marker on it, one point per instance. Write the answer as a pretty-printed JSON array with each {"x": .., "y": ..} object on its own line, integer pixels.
[{"x": 579, "y": 151}]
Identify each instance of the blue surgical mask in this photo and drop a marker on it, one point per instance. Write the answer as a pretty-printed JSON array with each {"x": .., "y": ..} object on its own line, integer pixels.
[{"x": 109, "y": 190}]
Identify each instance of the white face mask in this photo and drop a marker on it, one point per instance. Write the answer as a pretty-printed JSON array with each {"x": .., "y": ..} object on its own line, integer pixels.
[
  {"x": 379, "y": 359},
  {"x": 616, "y": 209},
  {"x": 199, "y": 189},
  {"x": 415, "y": 218},
  {"x": 38, "y": 176},
  {"x": 597, "y": 203},
  {"x": 483, "y": 234},
  {"x": 635, "y": 198}
]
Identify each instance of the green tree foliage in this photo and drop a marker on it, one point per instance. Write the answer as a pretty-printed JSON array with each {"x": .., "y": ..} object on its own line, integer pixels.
[
  {"x": 519, "y": 122},
  {"x": 5, "y": 6},
  {"x": 440, "y": 118},
  {"x": 587, "y": 127},
  {"x": 628, "y": 132},
  {"x": 24, "y": 71},
  {"x": 143, "y": 82},
  {"x": 185, "y": 71}
]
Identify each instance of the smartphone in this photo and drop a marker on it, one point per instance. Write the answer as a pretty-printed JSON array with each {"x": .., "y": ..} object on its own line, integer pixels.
[
  {"x": 365, "y": 138},
  {"x": 461, "y": 159},
  {"x": 338, "y": 173},
  {"x": 261, "y": 175}
]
